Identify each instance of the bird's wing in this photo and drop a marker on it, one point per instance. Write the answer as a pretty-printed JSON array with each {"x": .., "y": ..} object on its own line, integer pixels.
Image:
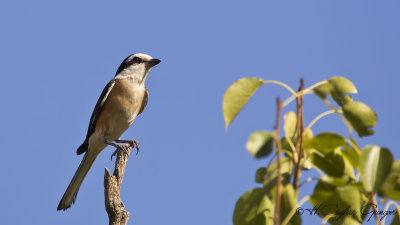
[
  {"x": 95, "y": 115},
  {"x": 144, "y": 102}
]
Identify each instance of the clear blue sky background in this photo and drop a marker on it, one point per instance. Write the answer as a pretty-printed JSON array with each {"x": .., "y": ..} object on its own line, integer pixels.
[{"x": 56, "y": 57}]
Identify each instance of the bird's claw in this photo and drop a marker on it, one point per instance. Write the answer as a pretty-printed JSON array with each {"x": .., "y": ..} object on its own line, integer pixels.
[
  {"x": 126, "y": 147},
  {"x": 134, "y": 142}
]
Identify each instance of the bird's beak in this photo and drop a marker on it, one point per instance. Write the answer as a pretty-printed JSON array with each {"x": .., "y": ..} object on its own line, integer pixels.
[{"x": 154, "y": 62}]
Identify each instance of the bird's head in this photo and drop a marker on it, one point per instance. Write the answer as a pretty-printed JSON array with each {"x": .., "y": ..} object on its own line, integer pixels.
[{"x": 136, "y": 66}]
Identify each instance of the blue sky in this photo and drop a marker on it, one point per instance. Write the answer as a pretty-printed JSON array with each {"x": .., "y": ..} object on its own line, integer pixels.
[{"x": 56, "y": 57}]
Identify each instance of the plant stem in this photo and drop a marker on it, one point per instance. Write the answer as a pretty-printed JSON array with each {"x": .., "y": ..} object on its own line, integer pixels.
[
  {"x": 303, "y": 92},
  {"x": 278, "y": 149},
  {"x": 293, "y": 211},
  {"x": 373, "y": 201},
  {"x": 339, "y": 113},
  {"x": 387, "y": 208},
  {"x": 319, "y": 117},
  {"x": 299, "y": 144},
  {"x": 281, "y": 84}
]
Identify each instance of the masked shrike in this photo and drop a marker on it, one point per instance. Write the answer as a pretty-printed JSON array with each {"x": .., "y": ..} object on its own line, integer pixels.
[{"x": 121, "y": 101}]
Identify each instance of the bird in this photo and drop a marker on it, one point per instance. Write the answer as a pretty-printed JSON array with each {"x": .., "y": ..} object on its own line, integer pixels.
[{"x": 121, "y": 101}]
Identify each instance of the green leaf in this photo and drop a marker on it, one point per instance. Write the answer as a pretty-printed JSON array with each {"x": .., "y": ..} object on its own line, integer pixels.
[
  {"x": 391, "y": 181},
  {"x": 332, "y": 163},
  {"x": 323, "y": 191},
  {"x": 366, "y": 206},
  {"x": 285, "y": 144},
  {"x": 354, "y": 144},
  {"x": 341, "y": 86},
  {"x": 325, "y": 142},
  {"x": 260, "y": 175},
  {"x": 270, "y": 180},
  {"x": 331, "y": 199},
  {"x": 272, "y": 170},
  {"x": 290, "y": 124},
  {"x": 351, "y": 196},
  {"x": 395, "y": 194},
  {"x": 237, "y": 95},
  {"x": 307, "y": 134},
  {"x": 396, "y": 218},
  {"x": 361, "y": 117},
  {"x": 323, "y": 90},
  {"x": 336, "y": 181},
  {"x": 288, "y": 202},
  {"x": 351, "y": 155},
  {"x": 305, "y": 164},
  {"x": 374, "y": 166},
  {"x": 253, "y": 208},
  {"x": 350, "y": 221},
  {"x": 346, "y": 99},
  {"x": 260, "y": 143},
  {"x": 338, "y": 88}
]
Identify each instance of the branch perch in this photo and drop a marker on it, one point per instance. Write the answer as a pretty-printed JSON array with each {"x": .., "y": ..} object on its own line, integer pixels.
[
  {"x": 278, "y": 150},
  {"x": 117, "y": 213}
]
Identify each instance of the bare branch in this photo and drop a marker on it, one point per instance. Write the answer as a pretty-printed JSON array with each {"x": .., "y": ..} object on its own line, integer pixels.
[
  {"x": 278, "y": 149},
  {"x": 117, "y": 213},
  {"x": 299, "y": 144}
]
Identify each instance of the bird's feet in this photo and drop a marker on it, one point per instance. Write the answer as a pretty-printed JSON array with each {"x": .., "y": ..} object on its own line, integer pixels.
[
  {"x": 126, "y": 146},
  {"x": 131, "y": 143}
]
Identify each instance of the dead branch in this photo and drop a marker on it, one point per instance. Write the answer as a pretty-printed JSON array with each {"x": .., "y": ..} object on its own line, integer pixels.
[
  {"x": 278, "y": 150},
  {"x": 117, "y": 213},
  {"x": 299, "y": 144}
]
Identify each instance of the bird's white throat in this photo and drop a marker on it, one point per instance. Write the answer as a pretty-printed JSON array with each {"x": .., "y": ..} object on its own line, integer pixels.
[{"x": 137, "y": 73}]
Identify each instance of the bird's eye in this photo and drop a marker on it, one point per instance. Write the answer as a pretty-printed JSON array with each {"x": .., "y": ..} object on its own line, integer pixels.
[{"x": 137, "y": 60}]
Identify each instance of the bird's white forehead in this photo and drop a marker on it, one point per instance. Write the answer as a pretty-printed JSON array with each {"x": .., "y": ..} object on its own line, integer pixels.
[{"x": 143, "y": 56}]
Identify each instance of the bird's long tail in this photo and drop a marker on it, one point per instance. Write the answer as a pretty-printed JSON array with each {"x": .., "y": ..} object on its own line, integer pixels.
[{"x": 73, "y": 187}]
